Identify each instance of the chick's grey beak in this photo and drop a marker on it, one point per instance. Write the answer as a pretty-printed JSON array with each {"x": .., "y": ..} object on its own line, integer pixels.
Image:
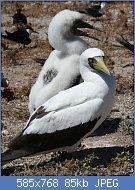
[
  {"x": 81, "y": 24},
  {"x": 90, "y": 11},
  {"x": 78, "y": 32}
]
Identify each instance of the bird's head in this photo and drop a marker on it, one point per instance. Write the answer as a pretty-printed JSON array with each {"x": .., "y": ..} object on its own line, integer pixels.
[
  {"x": 94, "y": 59},
  {"x": 68, "y": 22}
]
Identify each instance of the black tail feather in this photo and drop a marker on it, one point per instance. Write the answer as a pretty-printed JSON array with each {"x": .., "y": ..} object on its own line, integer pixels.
[{"x": 11, "y": 155}]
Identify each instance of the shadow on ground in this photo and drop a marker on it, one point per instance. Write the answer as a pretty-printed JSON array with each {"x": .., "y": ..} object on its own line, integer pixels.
[
  {"x": 103, "y": 157},
  {"x": 107, "y": 127}
]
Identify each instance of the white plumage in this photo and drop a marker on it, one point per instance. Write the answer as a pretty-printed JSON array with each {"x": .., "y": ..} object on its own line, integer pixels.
[
  {"x": 91, "y": 93},
  {"x": 65, "y": 119},
  {"x": 61, "y": 69}
]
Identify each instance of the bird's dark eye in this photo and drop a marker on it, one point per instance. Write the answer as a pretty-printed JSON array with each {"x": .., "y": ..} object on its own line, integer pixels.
[{"x": 90, "y": 60}]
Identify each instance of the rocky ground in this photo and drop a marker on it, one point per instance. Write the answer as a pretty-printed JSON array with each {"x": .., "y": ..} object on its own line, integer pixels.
[{"x": 110, "y": 150}]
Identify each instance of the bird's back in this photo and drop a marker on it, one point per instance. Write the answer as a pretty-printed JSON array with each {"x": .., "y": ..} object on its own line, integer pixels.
[{"x": 59, "y": 73}]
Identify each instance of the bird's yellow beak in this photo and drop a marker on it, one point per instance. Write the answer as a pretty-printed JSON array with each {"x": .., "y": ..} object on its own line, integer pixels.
[{"x": 100, "y": 65}]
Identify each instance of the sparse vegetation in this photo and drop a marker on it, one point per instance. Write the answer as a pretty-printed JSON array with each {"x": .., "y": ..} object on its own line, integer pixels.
[{"x": 110, "y": 150}]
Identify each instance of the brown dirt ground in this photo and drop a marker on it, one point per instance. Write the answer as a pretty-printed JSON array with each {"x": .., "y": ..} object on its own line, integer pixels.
[{"x": 110, "y": 150}]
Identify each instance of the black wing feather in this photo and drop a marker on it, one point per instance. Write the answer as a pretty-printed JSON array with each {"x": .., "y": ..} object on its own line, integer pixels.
[{"x": 26, "y": 145}]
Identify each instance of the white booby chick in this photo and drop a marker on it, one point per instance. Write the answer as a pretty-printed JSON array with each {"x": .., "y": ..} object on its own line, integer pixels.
[
  {"x": 61, "y": 69},
  {"x": 65, "y": 119}
]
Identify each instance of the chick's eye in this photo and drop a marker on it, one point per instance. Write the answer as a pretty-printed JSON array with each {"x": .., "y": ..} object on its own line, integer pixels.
[{"x": 90, "y": 60}]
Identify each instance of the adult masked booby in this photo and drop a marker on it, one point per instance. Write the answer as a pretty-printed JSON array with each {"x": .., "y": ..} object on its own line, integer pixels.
[
  {"x": 65, "y": 119},
  {"x": 61, "y": 69}
]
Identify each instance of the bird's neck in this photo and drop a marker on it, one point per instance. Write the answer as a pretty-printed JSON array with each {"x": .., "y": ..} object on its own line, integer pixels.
[
  {"x": 94, "y": 76},
  {"x": 67, "y": 44}
]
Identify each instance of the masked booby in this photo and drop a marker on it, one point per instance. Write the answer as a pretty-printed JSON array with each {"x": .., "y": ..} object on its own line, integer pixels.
[{"x": 73, "y": 114}]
